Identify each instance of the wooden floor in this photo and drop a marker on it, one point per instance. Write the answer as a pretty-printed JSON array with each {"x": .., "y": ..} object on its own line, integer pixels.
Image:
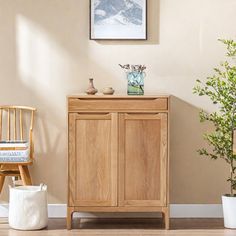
[{"x": 139, "y": 227}]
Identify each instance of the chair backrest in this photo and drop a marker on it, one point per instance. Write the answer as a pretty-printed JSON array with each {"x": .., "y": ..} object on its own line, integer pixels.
[{"x": 16, "y": 123}]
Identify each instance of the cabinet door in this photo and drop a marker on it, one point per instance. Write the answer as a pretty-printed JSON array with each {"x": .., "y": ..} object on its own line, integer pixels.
[
  {"x": 142, "y": 159},
  {"x": 93, "y": 159}
]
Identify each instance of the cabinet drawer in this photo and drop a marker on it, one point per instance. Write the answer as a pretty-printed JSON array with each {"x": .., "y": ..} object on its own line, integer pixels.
[{"x": 113, "y": 104}]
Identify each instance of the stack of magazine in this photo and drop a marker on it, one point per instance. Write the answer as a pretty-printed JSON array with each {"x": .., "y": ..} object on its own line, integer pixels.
[{"x": 14, "y": 151}]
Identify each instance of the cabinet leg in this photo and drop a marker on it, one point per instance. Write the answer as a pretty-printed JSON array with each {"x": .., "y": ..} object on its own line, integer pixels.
[
  {"x": 69, "y": 217},
  {"x": 166, "y": 218}
]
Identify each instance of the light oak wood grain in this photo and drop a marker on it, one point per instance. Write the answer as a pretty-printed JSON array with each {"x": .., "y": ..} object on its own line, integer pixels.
[
  {"x": 143, "y": 165},
  {"x": 83, "y": 104},
  {"x": 94, "y": 171},
  {"x": 2, "y": 179},
  {"x": 25, "y": 175},
  {"x": 118, "y": 96},
  {"x": 71, "y": 160},
  {"x": 118, "y": 154},
  {"x": 121, "y": 209}
]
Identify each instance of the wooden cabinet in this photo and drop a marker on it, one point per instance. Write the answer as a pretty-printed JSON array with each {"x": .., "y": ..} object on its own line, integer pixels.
[
  {"x": 142, "y": 159},
  {"x": 93, "y": 159},
  {"x": 118, "y": 154}
]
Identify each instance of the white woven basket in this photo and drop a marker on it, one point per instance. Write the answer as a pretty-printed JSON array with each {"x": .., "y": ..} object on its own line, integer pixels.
[{"x": 28, "y": 207}]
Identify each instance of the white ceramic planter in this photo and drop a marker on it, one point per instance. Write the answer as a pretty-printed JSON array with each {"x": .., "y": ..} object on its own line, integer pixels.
[{"x": 229, "y": 211}]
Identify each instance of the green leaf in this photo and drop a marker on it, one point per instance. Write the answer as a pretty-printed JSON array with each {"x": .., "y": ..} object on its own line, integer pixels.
[{"x": 220, "y": 88}]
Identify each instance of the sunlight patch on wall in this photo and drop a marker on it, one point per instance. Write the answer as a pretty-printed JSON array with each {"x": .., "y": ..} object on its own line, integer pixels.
[
  {"x": 43, "y": 67},
  {"x": 41, "y": 61}
]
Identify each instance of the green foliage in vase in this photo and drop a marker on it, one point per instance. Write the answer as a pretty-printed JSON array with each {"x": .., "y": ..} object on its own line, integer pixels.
[{"x": 220, "y": 88}]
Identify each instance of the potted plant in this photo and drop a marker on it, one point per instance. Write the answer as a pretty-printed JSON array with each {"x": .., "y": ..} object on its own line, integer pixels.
[{"x": 221, "y": 90}]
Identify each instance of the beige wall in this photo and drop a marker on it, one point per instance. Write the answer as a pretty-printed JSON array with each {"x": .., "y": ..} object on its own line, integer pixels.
[{"x": 45, "y": 54}]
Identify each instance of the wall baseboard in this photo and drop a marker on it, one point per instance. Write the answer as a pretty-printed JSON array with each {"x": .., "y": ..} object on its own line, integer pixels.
[
  {"x": 196, "y": 211},
  {"x": 176, "y": 211}
]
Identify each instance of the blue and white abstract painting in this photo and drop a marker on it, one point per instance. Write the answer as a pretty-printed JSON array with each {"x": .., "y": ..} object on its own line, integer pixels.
[{"x": 118, "y": 19}]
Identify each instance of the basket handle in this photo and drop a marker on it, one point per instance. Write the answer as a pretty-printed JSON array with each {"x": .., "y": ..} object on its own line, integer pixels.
[{"x": 43, "y": 187}]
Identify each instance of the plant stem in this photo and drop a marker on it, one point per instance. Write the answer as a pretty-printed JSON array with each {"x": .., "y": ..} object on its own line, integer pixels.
[
  {"x": 231, "y": 177},
  {"x": 232, "y": 157}
]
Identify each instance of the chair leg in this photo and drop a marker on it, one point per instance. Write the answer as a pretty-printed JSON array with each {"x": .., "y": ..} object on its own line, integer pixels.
[
  {"x": 25, "y": 175},
  {"x": 2, "y": 178}
]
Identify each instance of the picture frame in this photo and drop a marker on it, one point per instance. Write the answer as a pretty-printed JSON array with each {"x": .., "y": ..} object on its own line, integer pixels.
[{"x": 118, "y": 20}]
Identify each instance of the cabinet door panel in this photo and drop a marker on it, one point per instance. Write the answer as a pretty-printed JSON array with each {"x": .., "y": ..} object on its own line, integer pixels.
[
  {"x": 93, "y": 159},
  {"x": 143, "y": 159}
]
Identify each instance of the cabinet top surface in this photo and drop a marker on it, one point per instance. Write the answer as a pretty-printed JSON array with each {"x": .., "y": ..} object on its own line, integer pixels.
[{"x": 117, "y": 96}]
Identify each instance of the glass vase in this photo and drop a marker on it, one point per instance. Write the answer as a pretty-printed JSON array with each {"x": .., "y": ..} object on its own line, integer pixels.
[{"x": 135, "y": 83}]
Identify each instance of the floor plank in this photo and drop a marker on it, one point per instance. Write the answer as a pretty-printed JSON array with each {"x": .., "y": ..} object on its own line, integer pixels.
[{"x": 116, "y": 227}]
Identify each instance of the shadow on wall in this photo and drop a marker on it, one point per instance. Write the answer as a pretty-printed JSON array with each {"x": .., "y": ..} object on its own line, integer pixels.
[
  {"x": 48, "y": 59},
  {"x": 37, "y": 81},
  {"x": 193, "y": 179}
]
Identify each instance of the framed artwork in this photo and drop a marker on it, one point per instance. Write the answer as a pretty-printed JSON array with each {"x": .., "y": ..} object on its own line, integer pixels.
[{"x": 118, "y": 19}]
